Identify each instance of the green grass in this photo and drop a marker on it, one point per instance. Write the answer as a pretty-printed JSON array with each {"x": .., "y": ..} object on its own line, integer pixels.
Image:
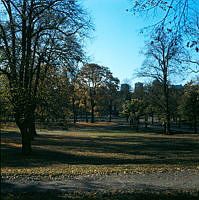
[{"x": 98, "y": 151}]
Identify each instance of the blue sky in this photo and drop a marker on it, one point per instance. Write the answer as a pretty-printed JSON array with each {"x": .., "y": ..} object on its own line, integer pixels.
[{"x": 116, "y": 42}]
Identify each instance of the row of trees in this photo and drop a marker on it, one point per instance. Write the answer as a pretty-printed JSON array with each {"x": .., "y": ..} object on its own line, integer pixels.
[
  {"x": 83, "y": 93},
  {"x": 93, "y": 91},
  {"x": 89, "y": 91},
  {"x": 148, "y": 102}
]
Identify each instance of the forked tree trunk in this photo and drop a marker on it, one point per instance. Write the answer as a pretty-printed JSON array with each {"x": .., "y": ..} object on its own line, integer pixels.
[
  {"x": 26, "y": 123},
  {"x": 26, "y": 137},
  {"x": 33, "y": 129}
]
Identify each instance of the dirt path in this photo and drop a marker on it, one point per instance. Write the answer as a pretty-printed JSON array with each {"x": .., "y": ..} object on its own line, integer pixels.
[{"x": 186, "y": 180}]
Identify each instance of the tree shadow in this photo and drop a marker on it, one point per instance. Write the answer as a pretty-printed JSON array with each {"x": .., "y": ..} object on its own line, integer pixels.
[{"x": 101, "y": 150}]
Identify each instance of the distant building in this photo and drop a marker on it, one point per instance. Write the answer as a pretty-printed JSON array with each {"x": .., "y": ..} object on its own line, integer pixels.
[
  {"x": 138, "y": 86},
  {"x": 125, "y": 87},
  {"x": 125, "y": 91}
]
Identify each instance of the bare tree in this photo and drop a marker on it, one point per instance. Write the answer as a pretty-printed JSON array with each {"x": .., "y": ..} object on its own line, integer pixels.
[
  {"x": 179, "y": 15},
  {"x": 163, "y": 60},
  {"x": 37, "y": 35},
  {"x": 182, "y": 14}
]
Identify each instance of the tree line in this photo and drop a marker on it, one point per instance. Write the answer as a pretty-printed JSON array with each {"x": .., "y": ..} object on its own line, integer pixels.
[
  {"x": 148, "y": 103},
  {"x": 86, "y": 92},
  {"x": 92, "y": 92}
]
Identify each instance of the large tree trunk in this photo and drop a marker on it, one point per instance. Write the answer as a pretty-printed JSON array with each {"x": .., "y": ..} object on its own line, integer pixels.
[
  {"x": 167, "y": 124},
  {"x": 26, "y": 136},
  {"x": 26, "y": 141},
  {"x": 167, "y": 111},
  {"x": 25, "y": 120},
  {"x": 33, "y": 132}
]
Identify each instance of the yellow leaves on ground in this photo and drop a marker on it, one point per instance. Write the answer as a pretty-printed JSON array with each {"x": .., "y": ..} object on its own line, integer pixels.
[{"x": 87, "y": 170}]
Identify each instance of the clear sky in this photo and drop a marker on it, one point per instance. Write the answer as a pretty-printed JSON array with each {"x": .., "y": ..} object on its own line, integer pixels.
[{"x": 116, "y": 41}]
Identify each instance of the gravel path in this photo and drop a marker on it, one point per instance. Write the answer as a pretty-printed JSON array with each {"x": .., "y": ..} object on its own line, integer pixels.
[{"x": 179, "y": 180}]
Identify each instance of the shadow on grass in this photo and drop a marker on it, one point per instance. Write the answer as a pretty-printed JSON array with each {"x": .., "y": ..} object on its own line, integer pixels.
[
  {"x": 100, "y": 150},
  {"x": 49, "y": 194}
]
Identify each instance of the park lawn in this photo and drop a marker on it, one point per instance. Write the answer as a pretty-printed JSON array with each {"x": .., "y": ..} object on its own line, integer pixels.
[
  {"x": 114, "y": 195},
  {"x": 97, "y": 151}
]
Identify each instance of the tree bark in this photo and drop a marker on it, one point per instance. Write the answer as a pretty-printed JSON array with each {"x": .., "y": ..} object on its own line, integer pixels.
[
  {"x": 25, "y": 120},
  {"x": 167, "y": 111},
  {"x": 26, "y": 136},
  {"x": 32, "y": 128},
  {"x": 26, "y": 141},
  {"x": 33, "y": 132}
]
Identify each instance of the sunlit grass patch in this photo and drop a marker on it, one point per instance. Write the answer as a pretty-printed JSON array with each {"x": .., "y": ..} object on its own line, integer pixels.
[{"x": 85, "y": 152}]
